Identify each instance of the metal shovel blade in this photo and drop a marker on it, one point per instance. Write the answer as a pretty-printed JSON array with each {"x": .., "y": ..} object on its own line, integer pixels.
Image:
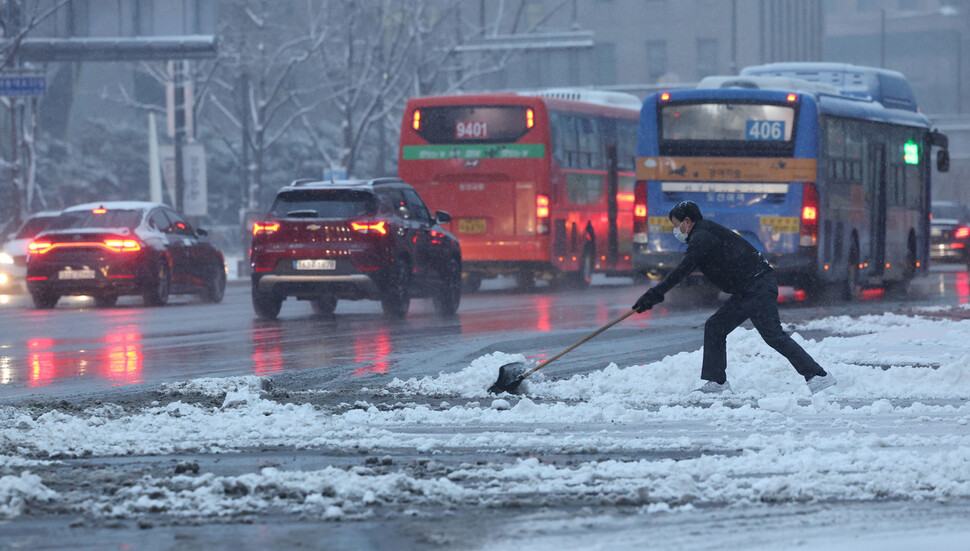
[{"x": 510, "y": 376}]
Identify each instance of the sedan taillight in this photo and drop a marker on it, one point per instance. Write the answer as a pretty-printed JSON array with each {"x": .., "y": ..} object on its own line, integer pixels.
[
  {"x": 39, "y": 247},
  {"x": 115, "y": 244}
]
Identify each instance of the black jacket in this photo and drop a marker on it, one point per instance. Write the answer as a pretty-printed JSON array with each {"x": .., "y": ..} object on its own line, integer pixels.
[{"x": 723, "y": 256}]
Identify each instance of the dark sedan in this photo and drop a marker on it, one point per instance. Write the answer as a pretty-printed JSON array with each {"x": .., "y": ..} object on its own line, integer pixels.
[
  {"x": 950, "y": 232},
  {"x": 106, "y": 250}
]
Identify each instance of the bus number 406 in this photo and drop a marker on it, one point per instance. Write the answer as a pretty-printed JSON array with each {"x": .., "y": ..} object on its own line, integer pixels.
[
  {"x": 471, "y": 129},
  {"x": 765, "y": 130}
]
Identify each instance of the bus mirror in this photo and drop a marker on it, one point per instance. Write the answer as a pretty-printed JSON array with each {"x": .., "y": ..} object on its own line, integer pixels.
[
  {"x": 943, "y": 160},
  {"x": 939, "y": 139},
  {"x": 442, "y": 217}
]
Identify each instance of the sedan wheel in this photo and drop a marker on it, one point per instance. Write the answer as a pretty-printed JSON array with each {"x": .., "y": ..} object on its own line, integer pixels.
[
  {"x": 44, "y": 300},
  {"x": 159, "y": 284},
  {"x": 215, "y": 285}
]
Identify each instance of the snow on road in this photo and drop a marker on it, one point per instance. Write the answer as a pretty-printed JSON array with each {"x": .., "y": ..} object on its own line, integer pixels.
[{"x": 895, "y": 428}]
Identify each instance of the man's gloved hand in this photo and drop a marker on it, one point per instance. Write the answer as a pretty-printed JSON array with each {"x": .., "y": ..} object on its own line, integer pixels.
[{"x": 647, "y": 301}]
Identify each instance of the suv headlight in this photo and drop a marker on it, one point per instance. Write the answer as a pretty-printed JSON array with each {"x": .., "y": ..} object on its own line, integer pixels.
[{"x": 6, "y": 258}]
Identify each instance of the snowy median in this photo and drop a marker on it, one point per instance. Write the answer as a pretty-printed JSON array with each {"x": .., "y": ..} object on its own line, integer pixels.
[{"x": 895, "y": 427}]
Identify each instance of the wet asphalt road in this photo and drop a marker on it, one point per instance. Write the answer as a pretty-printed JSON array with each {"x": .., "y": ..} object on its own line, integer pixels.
[{"x": 77, "y": 349}]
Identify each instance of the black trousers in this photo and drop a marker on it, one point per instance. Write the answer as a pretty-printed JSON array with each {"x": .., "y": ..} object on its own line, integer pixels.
[{"x": 759, "y": 303}]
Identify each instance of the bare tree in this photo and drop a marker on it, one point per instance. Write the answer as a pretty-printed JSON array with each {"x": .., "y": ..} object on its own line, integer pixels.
[
  {"x": 257, "y": 90},
  {"x": 382, "y": 52},
  {"x": 17, "y": 21}
]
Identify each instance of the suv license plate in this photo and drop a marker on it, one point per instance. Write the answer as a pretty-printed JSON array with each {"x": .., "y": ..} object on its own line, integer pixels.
[
  {"x": 75, "y": 274},
  {"x": 471, "y": 225},
  {"x": 316, "y": 264}
]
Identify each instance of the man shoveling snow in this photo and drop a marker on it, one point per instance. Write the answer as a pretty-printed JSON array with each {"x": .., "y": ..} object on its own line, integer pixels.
[{"x": 737, "y": 268}]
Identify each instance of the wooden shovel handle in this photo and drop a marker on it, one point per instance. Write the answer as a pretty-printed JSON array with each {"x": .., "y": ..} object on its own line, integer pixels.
[{"x": 624, "y": 316}]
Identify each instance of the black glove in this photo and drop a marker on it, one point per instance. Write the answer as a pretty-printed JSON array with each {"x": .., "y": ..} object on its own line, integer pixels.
[{"x": 648, "y": 300}]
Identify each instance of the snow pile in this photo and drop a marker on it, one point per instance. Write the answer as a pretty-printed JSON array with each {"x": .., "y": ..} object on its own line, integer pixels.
[
  {"x": 895, "y": 427},
  {"x": 921, "y": 356},
  {"x": 17, "y": 491},
  {"x": 329, "y": 493}
]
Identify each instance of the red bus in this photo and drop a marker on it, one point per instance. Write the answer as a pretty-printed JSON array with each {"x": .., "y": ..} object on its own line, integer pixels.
[{"x": 539, "y": 185}]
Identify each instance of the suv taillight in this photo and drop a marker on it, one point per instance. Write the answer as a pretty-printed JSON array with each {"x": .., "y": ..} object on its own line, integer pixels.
[
  {"x": 368, "y": 227},
  {"x": 808, "y": 235},
  {"x": 640, "y": 212},
  {"x": 265, "y": 227}
]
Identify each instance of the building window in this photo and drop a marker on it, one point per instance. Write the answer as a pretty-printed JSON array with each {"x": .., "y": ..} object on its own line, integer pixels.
[
  {"x": 867, "y": 5},
  {"x": 143, "y": 15},
  {"x": 656, "y": 59},
  {"x": 604, "y": 54},
  {"x": 706, "y": 57}
]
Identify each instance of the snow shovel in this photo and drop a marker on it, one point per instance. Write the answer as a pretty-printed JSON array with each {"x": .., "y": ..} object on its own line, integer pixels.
[{"x": 511, "y": 375}]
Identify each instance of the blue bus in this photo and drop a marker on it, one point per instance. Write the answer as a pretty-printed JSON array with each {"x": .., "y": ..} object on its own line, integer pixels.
[{"x": 823, "y": 167}]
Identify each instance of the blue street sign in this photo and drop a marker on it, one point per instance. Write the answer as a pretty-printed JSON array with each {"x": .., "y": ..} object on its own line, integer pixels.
[{"x": 23, "y": 85}]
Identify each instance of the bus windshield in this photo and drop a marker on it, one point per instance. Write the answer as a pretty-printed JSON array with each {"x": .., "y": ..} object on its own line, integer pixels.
[
  {"x": 472, "y": 123},
  {"x": 724, "y": 121}
]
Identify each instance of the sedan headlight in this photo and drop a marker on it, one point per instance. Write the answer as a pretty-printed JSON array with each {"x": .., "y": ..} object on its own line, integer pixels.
[{"x": 6, "y": 258}]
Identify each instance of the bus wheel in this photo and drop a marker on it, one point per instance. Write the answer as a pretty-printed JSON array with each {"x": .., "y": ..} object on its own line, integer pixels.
[
  {"x": 471, "y": 282},
  {"x": 582, "y": 276},
  {"x": 851, "y": 290}
]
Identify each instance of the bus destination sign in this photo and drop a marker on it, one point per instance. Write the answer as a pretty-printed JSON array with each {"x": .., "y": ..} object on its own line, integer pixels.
[{"x": 474, "y": 130}]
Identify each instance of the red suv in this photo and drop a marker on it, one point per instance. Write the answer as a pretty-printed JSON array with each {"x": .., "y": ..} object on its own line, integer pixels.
[{"x": 353, "y": 239}]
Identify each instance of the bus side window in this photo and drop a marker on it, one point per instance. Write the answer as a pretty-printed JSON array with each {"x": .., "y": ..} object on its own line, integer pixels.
[
  {"x": 626, "y": 145},
  {"x": 584, "y": 189},
  {"x": 590, "y": 143},
  {"x": 564, "y": 136}
]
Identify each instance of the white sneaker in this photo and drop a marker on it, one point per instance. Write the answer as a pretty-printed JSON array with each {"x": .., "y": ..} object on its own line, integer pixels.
[
  {"x": 710, "y": 387},
  {"x": 819, "y": 383}
]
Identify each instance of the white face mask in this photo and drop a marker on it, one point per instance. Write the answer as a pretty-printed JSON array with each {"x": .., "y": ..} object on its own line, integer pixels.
[{"x": 681, "y": 236}]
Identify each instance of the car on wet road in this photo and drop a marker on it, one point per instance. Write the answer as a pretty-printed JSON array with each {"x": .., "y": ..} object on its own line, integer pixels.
[
  {"x": 325, "y": 241},
  {"x": 13, "y": 257},
  {"x": 109, "y": 249},
  {"x": 950, "y": 233}
]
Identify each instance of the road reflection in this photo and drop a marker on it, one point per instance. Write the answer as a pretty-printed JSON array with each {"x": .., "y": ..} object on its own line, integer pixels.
[
  {"x": 374, "y": 351},
  {"x": 118, "y": 358},
  {"x": 267, "y": 349},
  {"x": 125, "y": 359},
  {"x": 962, "y": 287}
]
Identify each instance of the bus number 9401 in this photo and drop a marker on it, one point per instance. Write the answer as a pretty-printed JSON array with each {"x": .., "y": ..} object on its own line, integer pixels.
[{"x": 471, "y": 129}]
